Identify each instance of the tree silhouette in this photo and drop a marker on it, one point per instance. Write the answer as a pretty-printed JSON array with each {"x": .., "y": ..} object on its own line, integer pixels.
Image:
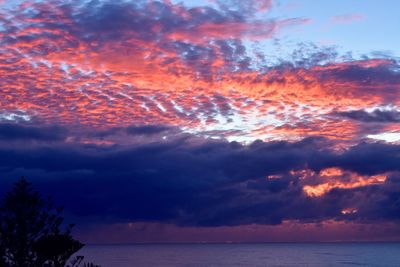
[{"x": 31, "y": 233}]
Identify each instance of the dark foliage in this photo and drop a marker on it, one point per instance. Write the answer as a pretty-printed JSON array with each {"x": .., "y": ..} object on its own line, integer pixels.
[
  {"x": 31, "y": 230},
  {"x": 56, "y": 248}
]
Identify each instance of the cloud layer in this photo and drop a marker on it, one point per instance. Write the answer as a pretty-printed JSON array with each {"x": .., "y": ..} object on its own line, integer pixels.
[
  {"x": 191, "y": 181},
  {"x": 163, "y": 63},
  {"x": 158, "y": 112}
]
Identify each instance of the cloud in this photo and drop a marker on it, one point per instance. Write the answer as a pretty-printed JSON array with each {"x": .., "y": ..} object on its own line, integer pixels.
[
  {"x": 161, "y": 63},
  {"x": 18, "y": 132},
  {"x": 329, "y": 231},
  {"x": 147, "y": 129},
  {"x": 249, "y": 7},
  {"x": 257, "y": 30},
  {"x": 384, "y": 116},
  {"x": 347, "y": 18},
  {"x": 157, "y": 112},
  {"x": 201, "y": 182}
]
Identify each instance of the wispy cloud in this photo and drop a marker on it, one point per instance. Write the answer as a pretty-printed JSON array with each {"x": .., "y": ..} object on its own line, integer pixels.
[{"x": 348, "y": 18}]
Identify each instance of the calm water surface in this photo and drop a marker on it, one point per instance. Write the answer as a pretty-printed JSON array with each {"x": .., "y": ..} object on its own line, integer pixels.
[{"x": 325, "y": 254}]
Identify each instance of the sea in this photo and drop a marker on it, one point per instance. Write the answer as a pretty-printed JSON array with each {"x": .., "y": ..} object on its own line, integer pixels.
[{"x": 269, "y": 254}]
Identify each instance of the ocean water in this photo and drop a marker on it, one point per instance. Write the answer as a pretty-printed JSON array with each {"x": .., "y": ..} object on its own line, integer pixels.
[{"x": 271, "y": 254}]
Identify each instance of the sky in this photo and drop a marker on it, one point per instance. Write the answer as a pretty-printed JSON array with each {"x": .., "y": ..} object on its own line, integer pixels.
[{"x": 206, "y": 121}]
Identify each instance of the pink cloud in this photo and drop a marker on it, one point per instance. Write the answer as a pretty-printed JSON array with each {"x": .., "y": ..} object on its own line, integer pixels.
[{"x": 347, "y": 18}]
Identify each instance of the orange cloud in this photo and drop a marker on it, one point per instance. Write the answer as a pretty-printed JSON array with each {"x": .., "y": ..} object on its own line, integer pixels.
[
  {"x": 337, "y": 178},
  {"x": 57, "y": 70}
]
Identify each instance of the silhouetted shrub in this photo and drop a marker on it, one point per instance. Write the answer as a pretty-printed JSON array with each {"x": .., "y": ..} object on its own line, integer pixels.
[
  {"x": 55, "y": 250},
  {"x": 31, "y": 233}
]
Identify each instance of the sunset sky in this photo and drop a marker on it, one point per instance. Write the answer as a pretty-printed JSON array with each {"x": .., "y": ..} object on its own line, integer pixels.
[{"x": 206, "y": 120}]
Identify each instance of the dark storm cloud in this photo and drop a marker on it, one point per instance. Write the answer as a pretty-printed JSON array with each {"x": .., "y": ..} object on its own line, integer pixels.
[
  {"x": 192, "y": 181},
  {"x": 384, "y": 116},
  {"x": 376, "y": 71},
  {"x": 147, "y": 129},
  {"x": 369, "y": 158},
  {"x": 18, "y": 132}
]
